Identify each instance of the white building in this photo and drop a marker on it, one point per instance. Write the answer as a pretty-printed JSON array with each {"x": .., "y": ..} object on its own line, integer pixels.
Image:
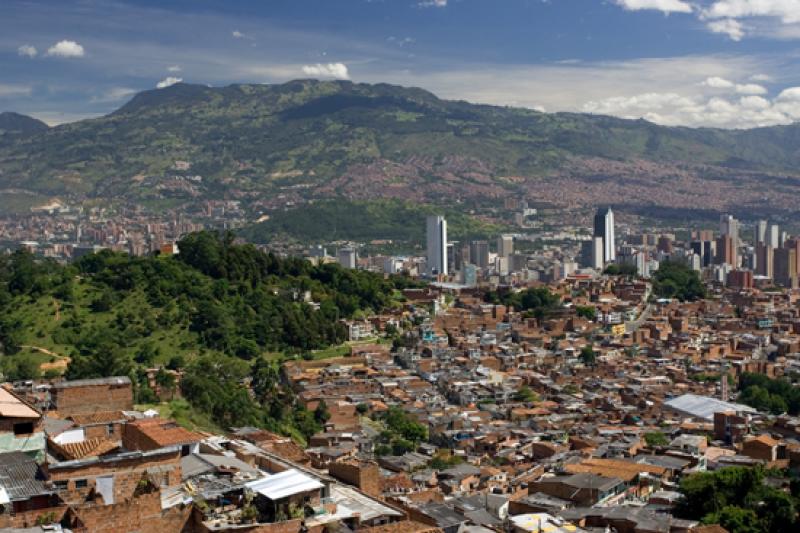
[{"x": 437, "y": 245}]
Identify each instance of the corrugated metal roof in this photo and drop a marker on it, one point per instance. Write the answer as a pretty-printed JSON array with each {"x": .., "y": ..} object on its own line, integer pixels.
[
  {"x": 115, "y": 380},
  {"x": 20, "y": 476},
  {"x": 284, "y": 484},
  {"x": 704, "y": 406}
]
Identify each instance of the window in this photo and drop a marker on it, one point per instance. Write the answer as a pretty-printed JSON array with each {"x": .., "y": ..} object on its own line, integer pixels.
[
  {"x": 81, "y": 484},
  {"x": 110, "y": 429},
  {"x": 25, "y": 428},
  {"x": 60, "y": 484}
]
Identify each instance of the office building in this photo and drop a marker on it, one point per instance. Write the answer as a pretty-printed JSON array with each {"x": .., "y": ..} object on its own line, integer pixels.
[
  {"x": 764, "y": 260},
  {"x": 505, "y": 245},
  {"x": 760, "y": 234},
  {"x": 729, "y": 227},
  {"x": 479, "y": 253},
  {"x": 726, "y": 250},
  {"x": 774, "y": 236},
  {"x": 785, "y": 265},
  {"x": 347, "y": 257},
  {"x": 604, "y": 227},
  {"x": 437, "y": 245}
]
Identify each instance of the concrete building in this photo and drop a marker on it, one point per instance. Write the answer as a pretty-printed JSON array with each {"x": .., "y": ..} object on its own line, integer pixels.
[
  {"x": 437, "y": 245},
  {"x": 604, "y": 227}
]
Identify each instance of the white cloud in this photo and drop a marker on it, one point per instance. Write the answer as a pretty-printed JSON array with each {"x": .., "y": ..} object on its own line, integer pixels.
[
  {"x": 27, "y": 50},
  {"x": 237, "y": 34},
  {"x": 715, "y": 82},
  {"x": 336, "y": 71},
  {"x": 174, "y": 68},
  {"x": 750, "y": 88},
  {"x": 788, "y": 11},
  {"x": 432, "y": 3},
  {"x": 665, "y": 6},
  {"x": 66, "y": 49},
  {"x": 718, "y": 83},
  {"x": 166, "y": 82},
  {"x": 730, "y": 27},
  {"x": 760, "y": 77}
]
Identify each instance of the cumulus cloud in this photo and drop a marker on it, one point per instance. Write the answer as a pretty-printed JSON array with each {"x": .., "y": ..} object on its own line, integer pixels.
[
  {"x": 718, "y": 83},
  {"x": 432, "y": 3},
  {"x": 672, "y": 109},
  {"x": 27, "y": 50},
  {"x": 166, "y": 82},
  {"x": 66, "y": 49},
  {"x": 7, "y": 89},
  {"x": 715, "y": 82},
  {"x": 665, "y": 6},
  {"x": 237, "y": 34},
  {"x": 336, "y": 71},
  {"x": 730, "y": 27},
  {"x": 788, "y": 11}
]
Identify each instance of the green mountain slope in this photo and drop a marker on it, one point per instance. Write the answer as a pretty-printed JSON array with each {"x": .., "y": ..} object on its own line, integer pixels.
[
  {"x": 14, "y": 124},
  {"x": 325, "y": 138}
]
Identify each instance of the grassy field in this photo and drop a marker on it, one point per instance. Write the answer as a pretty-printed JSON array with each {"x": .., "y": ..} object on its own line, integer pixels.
[{"x": 184, "y": 414}]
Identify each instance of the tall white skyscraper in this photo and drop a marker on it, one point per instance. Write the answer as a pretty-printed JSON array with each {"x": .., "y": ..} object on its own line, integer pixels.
[
  {"x": 774, "y": 236},
  {"x": 604, "y": 227},
  {"x": 437, "y": 245},
  {"x": 729, "y": 226},
  {"x": 760, "y": 232}
]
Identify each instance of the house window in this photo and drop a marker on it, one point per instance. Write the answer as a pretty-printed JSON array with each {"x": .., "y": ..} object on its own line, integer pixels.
[
  {"x": 60, "y": 484},
  {"x": 110, "y": 429},
  {"x": 25, "y": 428},
  {"x": 81, "y": 484}
]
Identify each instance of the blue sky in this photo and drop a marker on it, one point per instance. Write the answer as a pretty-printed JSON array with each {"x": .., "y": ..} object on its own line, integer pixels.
[{"x": 724, "y": 63}]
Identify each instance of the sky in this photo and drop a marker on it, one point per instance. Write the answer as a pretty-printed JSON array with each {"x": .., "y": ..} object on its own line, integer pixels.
[{"x": 715, "y": 63}]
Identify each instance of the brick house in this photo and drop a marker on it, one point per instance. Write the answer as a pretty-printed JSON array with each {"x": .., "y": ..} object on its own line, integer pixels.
[
  {"x": 21, "y": 427},
  {"x": 85, "y": 396},
  {"x": 155, "y": 433}
]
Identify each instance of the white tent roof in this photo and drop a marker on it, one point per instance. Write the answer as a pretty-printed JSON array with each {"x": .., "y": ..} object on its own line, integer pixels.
[
  {"x": 705, "y": 406},
  {"x": 283, "y": 484}
]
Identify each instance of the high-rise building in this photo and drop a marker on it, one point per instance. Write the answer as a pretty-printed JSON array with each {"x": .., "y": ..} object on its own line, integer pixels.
[
  {"x": 774, "y": 236},
  {"x": 764, "y": 260},
  {"x": 604, "y": 227},
  {"x": 479, "y": 253},
  {"x": 347, "y": 257},
  {"x": 437, "y": 245},
  {"x": 726, "y": 251},
  {"x": 598, "y": 253},
  {"x": 785, "y": 266},
  {"x": 505, "y": 245},
  {"x": 729, "y": 227},
  {"x": 760, "y": 234}
]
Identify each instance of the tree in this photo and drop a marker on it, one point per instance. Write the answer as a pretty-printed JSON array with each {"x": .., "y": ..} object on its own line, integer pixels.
[
  {"x": 588, "y": 312},
  {"x": 588, "y": 356},
  {"x": 677, "y": 280},
  {"x": 321, "y": 413},
  {"x": 525, "y": 394},
  {"x": 655, "y": 438}
]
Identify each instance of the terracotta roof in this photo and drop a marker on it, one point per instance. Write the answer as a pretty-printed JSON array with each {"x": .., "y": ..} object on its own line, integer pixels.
[
  {"x": 625, "y": 470},
  {"x": 764, "y": 439},
  {"x": 407, "y": 526},
  {"x": 99, "y": 417},
  {"x": 94, "y": 447},
  {"x": 165, "y": 432}
]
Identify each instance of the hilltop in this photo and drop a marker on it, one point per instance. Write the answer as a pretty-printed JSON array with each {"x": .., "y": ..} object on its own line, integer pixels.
[{"x": 271, "y": 144}]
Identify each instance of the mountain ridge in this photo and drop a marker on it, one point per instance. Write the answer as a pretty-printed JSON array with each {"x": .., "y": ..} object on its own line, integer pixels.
[{"x": 319, "y": 139}]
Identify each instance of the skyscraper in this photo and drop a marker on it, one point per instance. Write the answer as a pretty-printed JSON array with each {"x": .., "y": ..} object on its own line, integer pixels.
[
  {"x": 760, "y": 232},
  {"x": 437, "y": 245},
  {"x": 505, "y": 245},
  {"x": 479, "y": 253},
  {"x": 774, "y": 236},
  {"x": 604, "y": 227},
  {"x": 729, "y": 227}
]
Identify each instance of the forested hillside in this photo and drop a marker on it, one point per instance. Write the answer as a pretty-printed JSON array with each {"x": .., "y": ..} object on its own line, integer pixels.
[{"x": 220, "y": 311}]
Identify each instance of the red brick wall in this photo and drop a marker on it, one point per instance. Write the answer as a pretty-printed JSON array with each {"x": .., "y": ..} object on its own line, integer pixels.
[
  {"x": 364, "y": 476},
  {"x": 29, "y": 518},
  {"x": 92, "y": 398},
  {"x": 142, "y": 514}
]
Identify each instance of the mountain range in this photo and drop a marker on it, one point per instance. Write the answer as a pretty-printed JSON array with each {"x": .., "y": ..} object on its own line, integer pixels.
[{"x": 272, "y": 145}]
